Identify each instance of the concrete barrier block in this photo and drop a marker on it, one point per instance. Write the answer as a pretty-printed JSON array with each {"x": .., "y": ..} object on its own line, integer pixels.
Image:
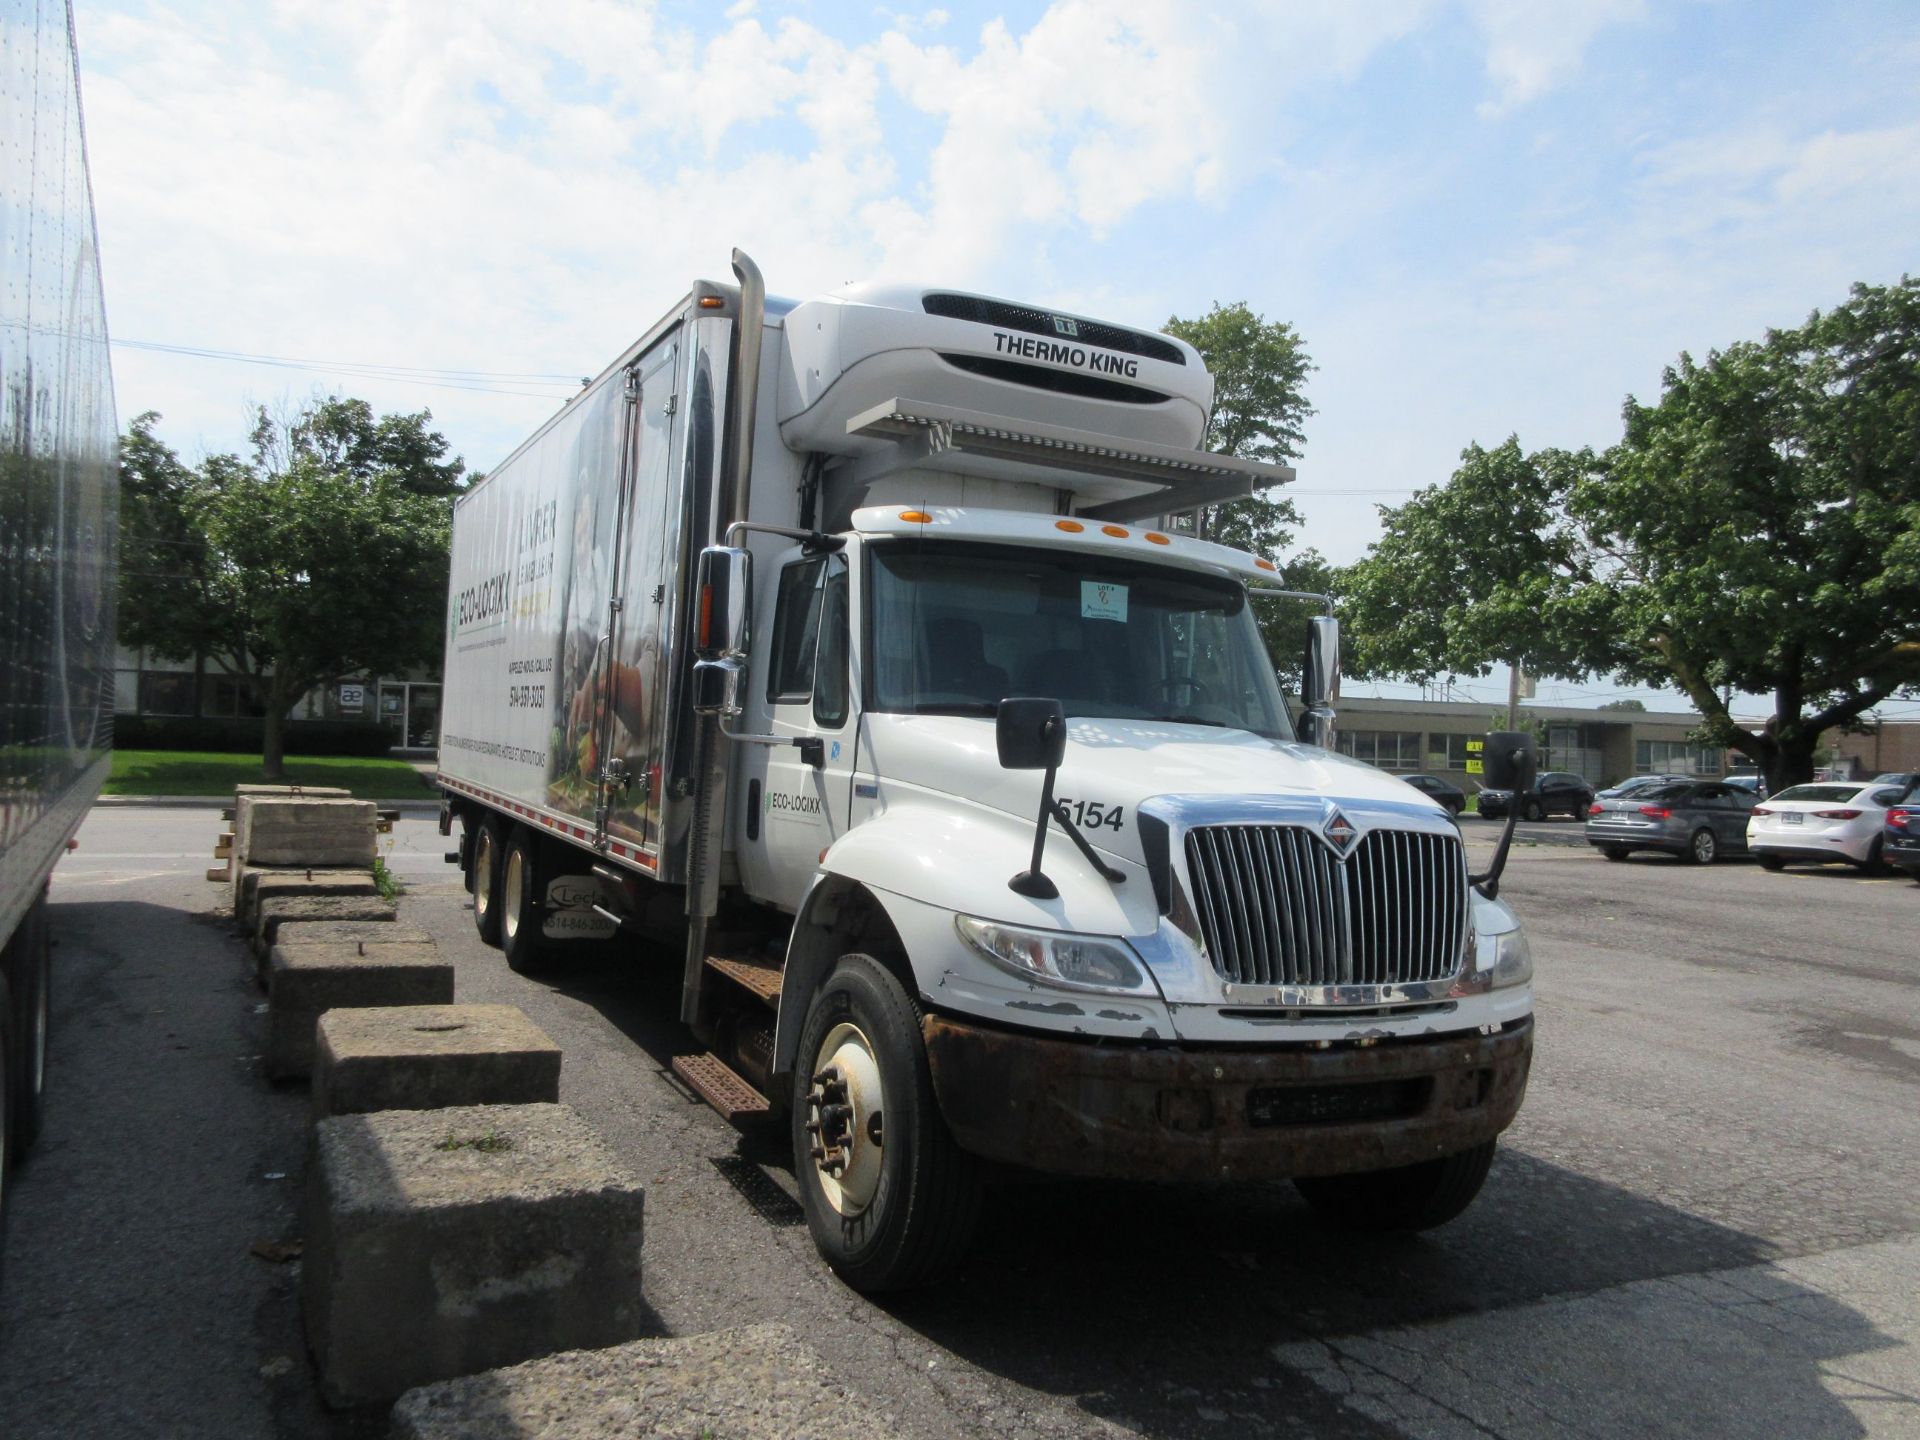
[
  {"x": 256, "y": 885},
  {"x": 425, "y": 1057},
  {"x": 270, "y": 915},
  {"x": 351, "y": 932},
  {"x": 303, "y": 831},
  {"x": 757, "y": 1382},
  {"x": 447, "y": 1242},
  {"x": 304, "y": 981}
]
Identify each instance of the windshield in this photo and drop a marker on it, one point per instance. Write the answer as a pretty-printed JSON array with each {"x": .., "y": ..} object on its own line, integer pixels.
[{"x": 957, "y": 628}]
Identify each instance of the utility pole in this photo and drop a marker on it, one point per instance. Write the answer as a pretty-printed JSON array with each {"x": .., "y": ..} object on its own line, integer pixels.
[{"x": 1513, "y": 696}]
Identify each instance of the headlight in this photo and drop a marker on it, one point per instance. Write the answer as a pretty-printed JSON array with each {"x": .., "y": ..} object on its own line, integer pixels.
[
  {"x": 1512, "y": 959},
  {"x": 1052, "y": 957}
]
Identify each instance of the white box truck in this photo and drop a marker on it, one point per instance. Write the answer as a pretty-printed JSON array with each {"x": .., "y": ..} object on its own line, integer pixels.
[
  {"x": 58, "y": 508},
  {"x": 842, "y": 646}
]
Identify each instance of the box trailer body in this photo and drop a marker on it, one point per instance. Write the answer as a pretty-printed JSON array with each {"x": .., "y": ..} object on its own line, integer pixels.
[
  {"x": 58, "y": 508},
  {"x": 736, "y": 665}
]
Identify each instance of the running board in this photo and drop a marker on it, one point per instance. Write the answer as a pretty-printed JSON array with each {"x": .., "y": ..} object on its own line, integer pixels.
[
  {"x": 757, "y": 977},
  {"x": 715, "y": 1082}
]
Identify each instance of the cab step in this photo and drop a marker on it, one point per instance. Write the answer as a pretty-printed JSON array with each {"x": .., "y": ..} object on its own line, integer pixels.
[
  {"x": 757, "y": 976},
  {"x": 716, "y": 1082}
]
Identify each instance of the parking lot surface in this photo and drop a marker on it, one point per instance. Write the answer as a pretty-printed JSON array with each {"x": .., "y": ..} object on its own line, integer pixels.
[{"x": 1706, "y": 1220}]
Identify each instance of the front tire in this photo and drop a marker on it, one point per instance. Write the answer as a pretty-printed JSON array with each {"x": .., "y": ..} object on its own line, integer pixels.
[
  {"x": 1702, "y": 848},
  {"x": 488, "y": 848},
  {"x": 1410, "y": 1197},
  {"x": 890, "y": 1199},
  {"x": 1533, "y": 810},
  {"x": 526, "y": 949},
  {"x": 1772, "y": 862},
  {"x": 1615, "y": 852}
]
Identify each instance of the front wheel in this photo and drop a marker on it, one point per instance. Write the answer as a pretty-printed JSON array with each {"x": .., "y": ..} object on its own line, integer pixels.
[
  {"x": 1702, "y": 848},
  {"x": 1615, "y": 852},
  {"x": 1409, "y": 1197},
  {"x": 1534, "y": 811},
  {"x": 890, "y": 1199}
]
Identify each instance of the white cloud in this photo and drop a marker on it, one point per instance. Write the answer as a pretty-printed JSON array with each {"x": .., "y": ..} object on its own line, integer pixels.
[{"x": 1531, "y": 46}]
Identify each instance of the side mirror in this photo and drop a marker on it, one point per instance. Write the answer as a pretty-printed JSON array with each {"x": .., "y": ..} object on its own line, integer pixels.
[
  {"x": 724, "y": 601},
  {"x": 1031, "y": 734},
  {"x": 1320, "y": 680},
  {"x": 716, "y": 687},
  {"x": 1508, "y": 761}
]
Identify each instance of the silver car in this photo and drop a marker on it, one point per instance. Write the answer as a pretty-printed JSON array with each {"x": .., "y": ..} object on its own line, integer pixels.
[{"x": 1697, "y": 820}]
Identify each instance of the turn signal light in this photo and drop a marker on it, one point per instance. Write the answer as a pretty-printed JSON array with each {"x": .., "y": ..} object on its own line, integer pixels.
[
  {"x": 1836, "y": 814},
  {"x": 1655, "y": 812}
]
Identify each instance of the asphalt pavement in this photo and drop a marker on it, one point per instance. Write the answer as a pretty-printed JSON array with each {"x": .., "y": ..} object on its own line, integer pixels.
[{"x": 1705, "y": 1222}]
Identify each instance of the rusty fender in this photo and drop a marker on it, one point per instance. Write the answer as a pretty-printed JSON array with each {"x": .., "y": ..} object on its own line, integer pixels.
[{"x": 1170, "y": 1113}]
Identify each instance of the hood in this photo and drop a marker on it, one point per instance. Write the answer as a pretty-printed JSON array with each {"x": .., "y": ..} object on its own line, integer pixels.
[{"x": 1116, "y": 764}]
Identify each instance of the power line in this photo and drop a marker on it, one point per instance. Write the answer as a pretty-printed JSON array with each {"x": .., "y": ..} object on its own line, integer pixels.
[{"x": 476, "y": 380}]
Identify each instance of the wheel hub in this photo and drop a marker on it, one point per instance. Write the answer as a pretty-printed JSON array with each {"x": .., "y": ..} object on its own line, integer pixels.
[
  {"x": 846, "y": 1119},
  {"x": 510, "y": 884}
]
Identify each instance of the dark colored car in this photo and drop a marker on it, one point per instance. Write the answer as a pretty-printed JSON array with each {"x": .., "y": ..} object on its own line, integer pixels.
[
  {"x": 1634, "y": 784},
  {"x": 1434, "y": 788},
  {"x": 1698, "y": 820},
  {"x": 1554, "y": 793},
  {"x": 1754, "y": 785},
  {"x": 1900, "y": 837}
]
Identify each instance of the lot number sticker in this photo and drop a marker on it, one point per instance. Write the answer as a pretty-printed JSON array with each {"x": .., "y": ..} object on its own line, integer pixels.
[{"x": 1102, "y": 601}]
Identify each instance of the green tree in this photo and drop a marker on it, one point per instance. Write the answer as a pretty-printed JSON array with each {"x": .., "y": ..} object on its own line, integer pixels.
[
  {"x": 1259, "y": 371},
  {"x": 323, "y": 556},
  {"x": 1637, "y": 707},
  {"x": 1763, "y": 525},
  {"x": 1487, "y": 568}
]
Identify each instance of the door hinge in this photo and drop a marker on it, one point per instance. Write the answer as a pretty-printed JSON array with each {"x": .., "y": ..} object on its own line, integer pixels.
[
  {"x": 633, "y": 383},
  {"x": 659, "y": 593},
  {"x": 672, "y": 406},
  {"x": 618, "y": 604}
]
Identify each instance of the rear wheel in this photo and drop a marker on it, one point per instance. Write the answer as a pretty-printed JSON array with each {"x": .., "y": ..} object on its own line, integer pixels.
[
  {"x": 487, "y": 853},
  {"x": 1874, "y": 864},
  {"x": 525, "y": 947},
  {"x": 1702, "y": 848},
  {"x": 891, "y": 1200},
  {"x": 33, "y": 973},
  {"x": 1772, "y": 862},
  {"x": 6, "y": 1110},
  {"x": 1615, "y": 852},
  {"x": 1410, "y": 1197}
]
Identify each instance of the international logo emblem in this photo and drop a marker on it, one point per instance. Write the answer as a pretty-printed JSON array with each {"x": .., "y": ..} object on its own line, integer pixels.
[{"x": 1339, "y": 832}]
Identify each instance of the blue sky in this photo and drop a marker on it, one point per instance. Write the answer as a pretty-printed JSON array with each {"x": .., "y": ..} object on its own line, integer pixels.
[{"x": 1486, "y": 217}]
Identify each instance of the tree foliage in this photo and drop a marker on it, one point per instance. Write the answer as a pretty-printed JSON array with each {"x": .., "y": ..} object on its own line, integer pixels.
[
  {"x": 1259, "y": 370},
  {"x": 322, "y": 556},
  {"x": 1487, "y": 568},
  {"x": 1763, "y": 525}
]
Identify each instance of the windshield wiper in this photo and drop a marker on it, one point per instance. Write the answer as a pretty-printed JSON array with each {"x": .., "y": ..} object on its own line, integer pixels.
[
  {"x": 955, "y": 707},
  {"x": 1192, "y": 720}
]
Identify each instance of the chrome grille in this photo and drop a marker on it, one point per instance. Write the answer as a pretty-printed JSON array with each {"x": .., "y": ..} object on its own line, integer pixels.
[{"x": 1276, "y": 906}]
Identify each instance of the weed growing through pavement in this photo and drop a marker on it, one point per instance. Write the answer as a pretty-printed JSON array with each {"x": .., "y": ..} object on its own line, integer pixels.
[
  {"x": 384, "y": 880},
  {"x": 488, "y": 1144}
]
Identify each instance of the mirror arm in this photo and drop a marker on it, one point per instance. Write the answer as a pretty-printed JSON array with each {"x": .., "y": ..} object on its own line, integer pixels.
[
  {"x": 1107, "y": 872},
  {"x": 813, "y": 750},
  {"x": 1488, "y": 882},
  {"x": 812, "y": 539},
  {"x": 1032, "y": 881}
]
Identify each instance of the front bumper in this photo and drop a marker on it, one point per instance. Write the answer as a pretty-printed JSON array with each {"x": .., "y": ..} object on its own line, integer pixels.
[{"x": 1145, "y": 1112}]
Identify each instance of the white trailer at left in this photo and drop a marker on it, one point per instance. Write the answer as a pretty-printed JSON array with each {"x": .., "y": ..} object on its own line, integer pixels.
[{"x": 58, "y": 506}]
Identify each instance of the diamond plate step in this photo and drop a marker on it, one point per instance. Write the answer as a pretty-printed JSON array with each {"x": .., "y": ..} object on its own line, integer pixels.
[
  {"x": 715, "y": 1082},
  {"x": 762, "y": 977}
]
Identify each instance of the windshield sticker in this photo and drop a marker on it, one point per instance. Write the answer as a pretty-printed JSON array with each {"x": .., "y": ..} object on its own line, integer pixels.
[{"x": 1100, "y": 600}]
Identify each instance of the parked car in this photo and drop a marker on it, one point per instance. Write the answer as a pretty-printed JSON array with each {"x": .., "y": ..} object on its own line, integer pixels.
[
  {"x": 1754, "y": 785},
  {"x": 1554, "y": 793},
  {"x": 1635, "y": 784},
  {"x": 1905, "y": 779},
  {"x": 1900, "y": 835},
  {"x": 1450, "y": 796},
  {"x": 1698, "y": 820},
  {"x": 1825, "y": 821}
]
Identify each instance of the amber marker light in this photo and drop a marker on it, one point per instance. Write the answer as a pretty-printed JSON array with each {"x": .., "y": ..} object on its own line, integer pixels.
[
  {"x": 1154, "y": 537},
  {"x": 1117, "y": 531},
  {"x": 916, "y": 517},
  {"x": 1265, "y": 564},
  {"x": 1072, "y": 527},
  {"x": 712, "y": 302}
]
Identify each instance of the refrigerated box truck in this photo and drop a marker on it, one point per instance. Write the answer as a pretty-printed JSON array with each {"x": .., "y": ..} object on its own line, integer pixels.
[
  {"x": 58, "y": 505},
  {"x": 843, "y": 648}
]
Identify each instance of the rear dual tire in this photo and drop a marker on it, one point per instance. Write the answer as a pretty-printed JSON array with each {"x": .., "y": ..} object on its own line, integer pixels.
[{"x": 521, "y": 914}]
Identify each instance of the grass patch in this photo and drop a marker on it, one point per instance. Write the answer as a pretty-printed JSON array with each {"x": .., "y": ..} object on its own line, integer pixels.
[
  {"x": 490, "y": 1143},
  {"x": 192, "y": 772}
]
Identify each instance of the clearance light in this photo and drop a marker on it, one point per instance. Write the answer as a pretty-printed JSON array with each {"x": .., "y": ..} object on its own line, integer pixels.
[
  {"x": 1072, "y": 527},
  {"x": 712, "y": 302},
  {"x": 1119, "y": 532},
  {"x": 1836, "y": 814},
  {"x": 916, "y": 517},
  {"x": 1154, "y": 537},
  {"x": 1266, "y": 564}
]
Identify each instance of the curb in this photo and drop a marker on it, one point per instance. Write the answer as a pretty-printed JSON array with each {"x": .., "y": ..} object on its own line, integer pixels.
[{"x": 195, "y": 802}]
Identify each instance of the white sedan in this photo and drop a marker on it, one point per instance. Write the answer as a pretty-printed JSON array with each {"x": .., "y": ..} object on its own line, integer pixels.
[{"x": 1828, "y": 820}]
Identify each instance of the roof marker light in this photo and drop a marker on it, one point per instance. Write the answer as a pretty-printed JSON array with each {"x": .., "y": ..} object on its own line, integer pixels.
[
  {"x": 712, "y": 302},
  {"x": 1072, "y": 527},
  {"x": 916, "y": 517},
  {"x": 1119, "y": 532},
  {"x": 1265, "y": 564},
  {"x": 1154, "y": 537}
]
